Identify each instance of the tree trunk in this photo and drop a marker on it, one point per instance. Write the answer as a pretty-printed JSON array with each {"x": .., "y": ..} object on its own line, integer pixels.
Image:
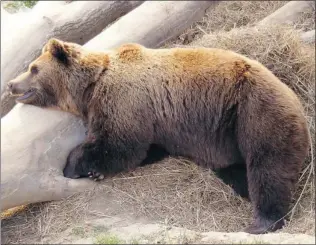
[
  {"x": 288, "y": 13},
  {"x": 75, "y": 22},
  {"x": 35, "y": 142}
]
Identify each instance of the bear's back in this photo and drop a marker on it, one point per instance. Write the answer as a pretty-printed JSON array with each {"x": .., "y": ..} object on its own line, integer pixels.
[{"x": 182, "y": 67}]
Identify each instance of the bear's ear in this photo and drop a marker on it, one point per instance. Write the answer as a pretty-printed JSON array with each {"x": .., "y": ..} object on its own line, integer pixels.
[{"x": 57, "y": 49}]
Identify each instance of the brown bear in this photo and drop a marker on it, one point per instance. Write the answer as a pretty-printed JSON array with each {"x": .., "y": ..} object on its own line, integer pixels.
[{"x": 214, "y": 107}]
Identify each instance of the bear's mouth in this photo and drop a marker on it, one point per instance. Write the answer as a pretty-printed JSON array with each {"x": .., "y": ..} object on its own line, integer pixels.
[{"x": 26, "y": 95}]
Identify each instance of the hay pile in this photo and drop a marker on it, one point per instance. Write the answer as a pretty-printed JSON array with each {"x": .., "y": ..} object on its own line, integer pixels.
[
  {"x": 175, "y": 191},
  {"x": 228, "y": 15},
  {"x": 235, "y": 14}
]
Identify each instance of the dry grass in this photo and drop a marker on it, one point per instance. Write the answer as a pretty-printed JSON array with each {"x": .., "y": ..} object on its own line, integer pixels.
[
  {"x": 42, "y": 220},
  {"x": 180, "y": 193},
  {"x": 177, "y": 192},
  {"x": 306, "y": 22},
  {"x": 235, "y": 14},
  {"x": 12, "y": 211},
  {"x": 228, "y": 15}
]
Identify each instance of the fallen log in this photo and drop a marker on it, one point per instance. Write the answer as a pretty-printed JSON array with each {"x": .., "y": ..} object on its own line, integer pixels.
[
  {"x": 74, "y": 22},
  {"x": 308, "y": 37},
  {"x": 153, "y": 23},
  {"x": 288, "y": 13},
  {"x": 32, "y": 158},
  {"x": 35, "y": 142}
]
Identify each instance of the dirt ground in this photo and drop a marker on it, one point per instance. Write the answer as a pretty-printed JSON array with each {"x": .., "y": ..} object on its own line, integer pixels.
[{"x": 175, "y": 192}]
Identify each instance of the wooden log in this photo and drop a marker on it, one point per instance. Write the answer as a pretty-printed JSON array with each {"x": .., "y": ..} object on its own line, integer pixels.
[
  {"x": 35, "y": 142},
  {"x": 74, "y": 22},
  {"x": 288, "y": 13},
  {"x": 308, "y": 37},
  {"x": 153, "y": 23},
  {"x": 32, "y": 158}
]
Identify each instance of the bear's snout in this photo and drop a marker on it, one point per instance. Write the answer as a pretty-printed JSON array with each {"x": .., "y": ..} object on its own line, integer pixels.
[
  {"x": 14, "y": 88},
  {"x": 10, "y": 85},
  {"x": 17, "y": 88}
]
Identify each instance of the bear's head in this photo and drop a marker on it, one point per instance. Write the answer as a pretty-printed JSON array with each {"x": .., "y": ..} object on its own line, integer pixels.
[{"x": 58, "y": 78}]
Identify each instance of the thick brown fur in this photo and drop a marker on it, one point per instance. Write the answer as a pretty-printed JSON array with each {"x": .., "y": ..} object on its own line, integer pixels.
[{"x": 215, "y": 107}]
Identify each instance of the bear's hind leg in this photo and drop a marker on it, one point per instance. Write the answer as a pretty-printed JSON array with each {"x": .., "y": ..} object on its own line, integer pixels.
[
  {"x": 236, "y": 177},
  {"x": 270, "y": 183},
  {"x": 273, "y": 139}
]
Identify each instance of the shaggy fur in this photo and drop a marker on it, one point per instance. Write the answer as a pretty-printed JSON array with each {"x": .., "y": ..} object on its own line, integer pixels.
[{"x": 214, "y": 107}]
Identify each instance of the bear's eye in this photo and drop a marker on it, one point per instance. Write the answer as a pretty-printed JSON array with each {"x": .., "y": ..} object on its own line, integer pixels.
[{"x": 34, "y": 70}]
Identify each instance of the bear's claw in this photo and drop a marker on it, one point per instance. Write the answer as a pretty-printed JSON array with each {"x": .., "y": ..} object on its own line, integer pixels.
[{"x": 95, "y": 176}]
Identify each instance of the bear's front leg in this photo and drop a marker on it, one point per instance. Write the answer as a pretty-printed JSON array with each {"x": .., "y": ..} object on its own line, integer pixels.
[
  {"x": 97, "y": 158},
  {"x": 83, "y": 161}
]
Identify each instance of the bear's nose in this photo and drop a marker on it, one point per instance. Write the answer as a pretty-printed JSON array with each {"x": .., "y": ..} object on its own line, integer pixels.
[{"x": 10, "y": 85}]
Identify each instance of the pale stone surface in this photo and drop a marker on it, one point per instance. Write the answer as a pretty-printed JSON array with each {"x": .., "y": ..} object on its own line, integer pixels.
[{"x": 151, "y": 233}]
